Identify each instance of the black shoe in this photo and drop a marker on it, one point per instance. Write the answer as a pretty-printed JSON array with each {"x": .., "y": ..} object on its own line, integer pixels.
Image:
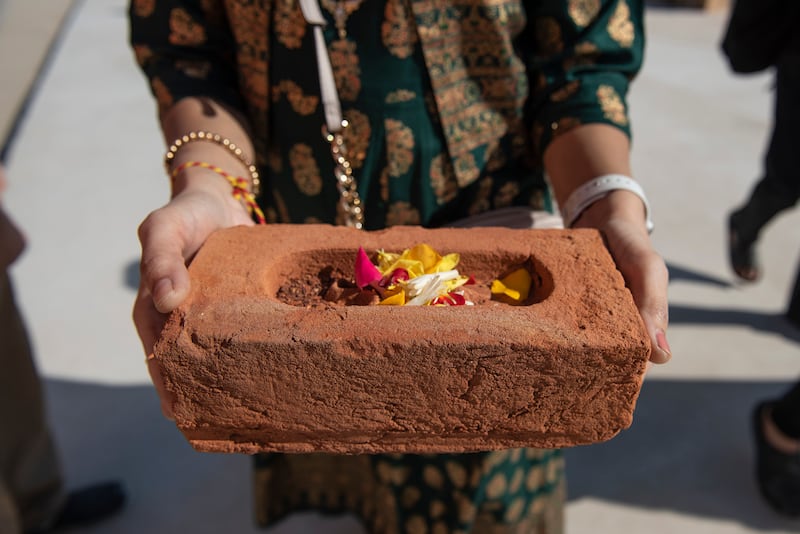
[
  {"x": 88, "y": 505},
  {"x": 741, "y": 252},
  {"x": 778, "y": 474}
]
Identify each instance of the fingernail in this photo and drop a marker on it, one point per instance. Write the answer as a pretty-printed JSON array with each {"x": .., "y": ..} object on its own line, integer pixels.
[{"x": 663, "y": 344}]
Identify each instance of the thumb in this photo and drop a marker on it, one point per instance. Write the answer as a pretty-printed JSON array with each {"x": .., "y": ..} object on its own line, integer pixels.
[
  {"x": 163, "y": 266},
  {"x": 648, "y": 285}
]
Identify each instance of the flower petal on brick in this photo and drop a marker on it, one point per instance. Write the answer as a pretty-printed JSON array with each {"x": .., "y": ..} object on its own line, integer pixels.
[
  {"x": 386, "y": 260},
  {"x": 394, "y": 277},
  {"x": 515, "y": 286},
  {"x": 423, "y": 289},
  {"x": 455, "y": 283},
  {"x": 449, "y": 299},
  {"x": 459, "y": 299},
  {"x": 448, "y": 262},
  {"x": 421, "y": 273},
  {"x": 499, "y": 288},
  {"x": 424, "y": 254},
  {"x": 396, "y": 299},
  {"x": 365, "y": 271}
]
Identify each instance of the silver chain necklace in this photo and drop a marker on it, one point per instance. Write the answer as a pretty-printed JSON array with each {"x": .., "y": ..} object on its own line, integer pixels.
[{"x": 335, "y": 124}]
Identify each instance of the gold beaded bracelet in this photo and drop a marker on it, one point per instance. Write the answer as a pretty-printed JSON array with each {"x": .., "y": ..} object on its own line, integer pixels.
[{"x": 200, "y": 135}]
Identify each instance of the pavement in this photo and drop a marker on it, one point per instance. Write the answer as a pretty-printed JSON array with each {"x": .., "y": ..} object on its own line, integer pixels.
[{"x": 84, "y": 166}]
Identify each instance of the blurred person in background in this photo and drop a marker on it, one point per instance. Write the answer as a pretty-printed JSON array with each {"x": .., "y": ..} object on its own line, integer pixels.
[
  {"x": 33, "y": 499},
  {"x": 762, "y": 34}
]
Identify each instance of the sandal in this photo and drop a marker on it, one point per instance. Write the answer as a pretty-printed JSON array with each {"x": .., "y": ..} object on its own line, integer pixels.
[
  {"x": 87, "y": 506},
  {"x": 742, "y": 254},
  {"x": 777, "y": 473}
]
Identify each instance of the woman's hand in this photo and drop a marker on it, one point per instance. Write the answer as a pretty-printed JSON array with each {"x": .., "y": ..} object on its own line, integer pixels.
[
  {"x": 170, "y": 236},
  {"x": 202, "y": 202},
  {"x": 620, "y": 218},
  {"x": 593, "y": 150}
]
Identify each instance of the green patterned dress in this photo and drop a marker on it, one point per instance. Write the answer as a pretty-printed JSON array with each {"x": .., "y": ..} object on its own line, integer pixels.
[{"x": 451, "y": 104}]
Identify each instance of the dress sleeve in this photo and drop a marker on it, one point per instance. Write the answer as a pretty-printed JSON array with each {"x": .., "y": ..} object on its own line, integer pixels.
[
  {"x": 185, "y": 48},
  {"x": 580, "y": 56}
]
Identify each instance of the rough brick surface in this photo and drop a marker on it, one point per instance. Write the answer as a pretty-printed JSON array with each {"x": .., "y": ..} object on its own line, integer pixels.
[{"x": 251, "y": 373}]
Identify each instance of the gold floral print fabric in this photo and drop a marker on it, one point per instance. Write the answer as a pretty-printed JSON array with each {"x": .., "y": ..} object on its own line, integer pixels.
[
  {"x": 357, "y": 137},
  {"x": 301, "y": 103},
  {"x": 502, "y": 492},
  {"x": 442, "y": 176},
  {"x": 290, "y": 27},
  {"x": 583, "y": 12},
  {"x": 620, "y": 27},
  {"x": 599, "y": 47},
  {"x": 184, "y": 30},
  {"x": 397, "y": 30},
  {"x": 399, "y": 147},
  {"x": 482, "y": 85},
  {"x": 346, "y": 69},
  {"x": 611, "y": 103},
  {"x": 143, "y": 8},
  {"x": 304, "y": 170},
  {"x": 478, "y": 81}
]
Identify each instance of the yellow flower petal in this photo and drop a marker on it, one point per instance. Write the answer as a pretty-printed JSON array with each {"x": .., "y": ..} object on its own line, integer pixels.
[
  {"x": 418, "y": 260},
  {"x": 398, "y": 299},
  {"x": 498, "y": 288},
  {"x": 424, "y": 254},
  {"x": 448, "y": 263},
  {"x": 386, "y": 259},
  {"x": 452, "y": 285},
  {"x": 413, "y": 267},
  {"x": 515, "y": 286},
  {"x": 421, "y": 260}
]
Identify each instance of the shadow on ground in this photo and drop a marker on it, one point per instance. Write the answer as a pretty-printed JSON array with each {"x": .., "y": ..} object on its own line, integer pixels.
[
  {"x": 688, "y": 274},
  {"x": 118, "y": 432},
  {"x": 771, "y": 323},
  {"x": 688, "y": 452}
]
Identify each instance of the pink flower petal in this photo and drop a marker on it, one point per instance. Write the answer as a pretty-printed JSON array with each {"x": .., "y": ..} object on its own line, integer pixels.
[{"x": 365, "y": 271}]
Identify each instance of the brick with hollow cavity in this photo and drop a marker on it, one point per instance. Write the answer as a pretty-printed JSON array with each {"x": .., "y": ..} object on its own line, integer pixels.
[{"x": 249, "y": 372}]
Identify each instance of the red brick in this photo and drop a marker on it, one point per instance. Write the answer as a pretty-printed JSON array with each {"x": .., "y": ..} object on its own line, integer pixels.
[{"x": 251, "y": 373}]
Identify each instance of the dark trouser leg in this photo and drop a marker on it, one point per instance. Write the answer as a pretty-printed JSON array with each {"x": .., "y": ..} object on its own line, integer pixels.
[
  {"x": 793, "y": 313},
  {"x": 30, "y": 480},
  {"x": 9, "y": 517},
  {"x": 779, "y": 189}
]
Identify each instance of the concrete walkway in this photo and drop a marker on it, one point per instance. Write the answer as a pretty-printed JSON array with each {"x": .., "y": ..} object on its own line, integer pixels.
[{"x": 84, "y": 169}]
